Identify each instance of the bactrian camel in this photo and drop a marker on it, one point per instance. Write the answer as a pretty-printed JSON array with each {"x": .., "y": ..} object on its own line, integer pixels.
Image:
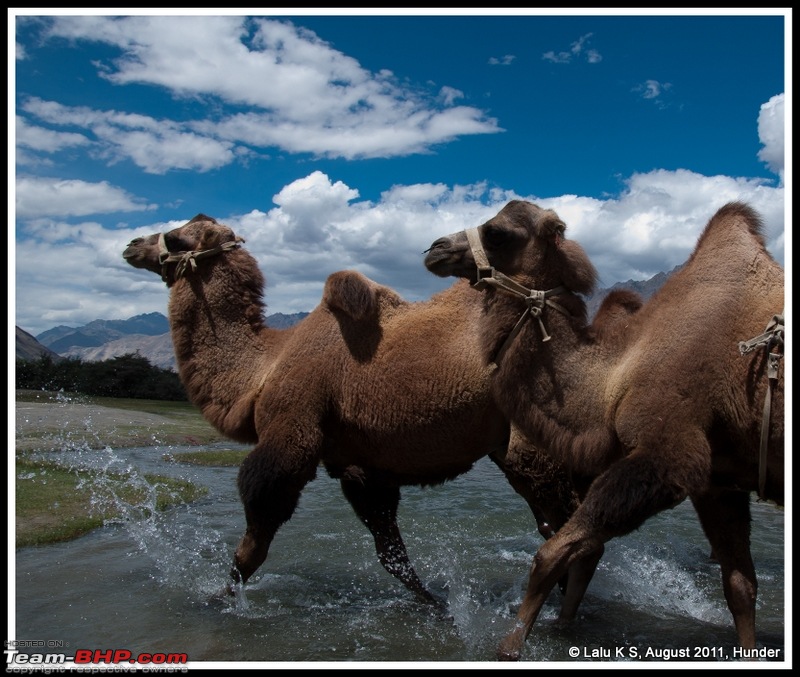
[
  {"x": 670, "y": 403},
  {"x": 382, "y": 392}
]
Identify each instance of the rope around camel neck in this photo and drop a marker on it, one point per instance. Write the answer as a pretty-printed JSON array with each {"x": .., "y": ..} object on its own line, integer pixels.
[{"x": 535, "y": 300}]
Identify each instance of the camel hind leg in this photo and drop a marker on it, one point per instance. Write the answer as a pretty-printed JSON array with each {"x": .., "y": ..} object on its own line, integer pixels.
[
  {"x": 725, "y": 518},
  {"x": 376, "y": 504}
]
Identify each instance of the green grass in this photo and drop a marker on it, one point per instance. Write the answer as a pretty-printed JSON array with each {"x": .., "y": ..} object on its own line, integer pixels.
[
  {"x": 55, "y": 503},
  {"x": 184, "y": 425}
]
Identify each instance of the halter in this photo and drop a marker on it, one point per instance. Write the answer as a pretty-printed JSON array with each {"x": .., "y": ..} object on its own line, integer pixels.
[
  {"x": 771, "y": 338},
  {"x": 535, "y": 300},
  {"x": 185, "y": 259}
]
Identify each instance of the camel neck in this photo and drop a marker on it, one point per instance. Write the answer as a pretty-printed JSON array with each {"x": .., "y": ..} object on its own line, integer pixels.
[
  {"x": 564, "y": 378},
  {"x": 220, "y": 340}
]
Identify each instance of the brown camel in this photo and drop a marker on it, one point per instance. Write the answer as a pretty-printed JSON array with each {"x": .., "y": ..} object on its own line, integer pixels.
[
  {"x": 660, "y": 407},
  {"x": 383, "y": 392}
]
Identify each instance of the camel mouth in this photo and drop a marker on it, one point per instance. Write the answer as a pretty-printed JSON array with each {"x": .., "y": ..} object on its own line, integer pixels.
[
  {"x": 445, "y": 262},
  {"x": 438, "y": 264},
  {"x": 134, "y": 257},
  {"x": 130, "y": 253}
]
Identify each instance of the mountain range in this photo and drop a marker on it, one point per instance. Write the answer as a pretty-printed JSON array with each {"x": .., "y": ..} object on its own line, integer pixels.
[{"x": 148, "y": 335}]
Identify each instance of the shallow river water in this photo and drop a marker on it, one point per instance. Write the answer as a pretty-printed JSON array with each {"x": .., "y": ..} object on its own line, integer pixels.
[{"x": 144, "y": 584}]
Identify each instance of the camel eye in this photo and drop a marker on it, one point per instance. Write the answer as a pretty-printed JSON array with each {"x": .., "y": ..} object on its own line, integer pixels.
[{"x": 494, "y": 237}]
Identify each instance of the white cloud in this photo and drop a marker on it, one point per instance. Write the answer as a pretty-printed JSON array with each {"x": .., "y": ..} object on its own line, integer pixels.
[
  {"x": 154, "y": 145},
  {"x": 575, "y": 51},
  {"x": 771, "y": 133},
  {"x": 42, "y": 197},
  {"x": 297, "y": 87},
  {"x": 318, "y": 225},
  {"x": 653, "y": 89},
  {"x": 448, "y": 95},
  {"x": 41, "y": 139},
  {"x": 654, "y": 225},
  {"x": 502, "y": 61}
]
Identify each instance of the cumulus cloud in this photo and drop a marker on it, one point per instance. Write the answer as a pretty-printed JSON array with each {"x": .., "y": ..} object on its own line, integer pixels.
[
  {"x": 318, "y": 225},
  {"x": 63, "y": 249},
  {"x": 42, "y": 139},
  {"x": 293, "y": 89},
  {"x": 771, "y": 134},
  {"x": 654, "y": 224}
]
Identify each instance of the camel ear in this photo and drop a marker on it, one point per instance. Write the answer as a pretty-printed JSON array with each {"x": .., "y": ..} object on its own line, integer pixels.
[{"x": 550, "y": 227}]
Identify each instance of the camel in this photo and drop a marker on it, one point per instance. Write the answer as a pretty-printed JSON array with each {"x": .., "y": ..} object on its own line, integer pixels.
[
  {"x": 675, "y": 401},
  {"x": 382, "y": 392}
]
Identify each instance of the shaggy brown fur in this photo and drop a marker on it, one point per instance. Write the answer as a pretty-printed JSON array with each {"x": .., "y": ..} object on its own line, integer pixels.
[
  {"x": 660, "y": 407},
  {"x": 383, "y": 392}
]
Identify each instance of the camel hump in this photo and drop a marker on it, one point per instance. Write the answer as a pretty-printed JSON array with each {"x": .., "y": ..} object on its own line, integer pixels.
[
  {"x": 356, "y": 295},
  {"x": 620, "y": 301},
  {"x": 735, "y": 215},
  {"x": 201, "y": 217},
  {"x": 618, "y": 305}
]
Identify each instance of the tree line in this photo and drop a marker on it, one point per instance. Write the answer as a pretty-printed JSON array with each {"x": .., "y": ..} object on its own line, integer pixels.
[{"x": 128, "y": 375}]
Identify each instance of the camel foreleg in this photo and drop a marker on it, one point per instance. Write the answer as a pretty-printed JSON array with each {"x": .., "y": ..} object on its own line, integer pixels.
[
  {"x": 619, "y": 501},
  {"x": 571, "y": 544},
  {"x": 269, "y": 487}
]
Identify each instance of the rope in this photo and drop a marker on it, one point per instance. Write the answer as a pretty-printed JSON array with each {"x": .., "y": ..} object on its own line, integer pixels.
[
  {"x": 771, "y": 338},
  {"x": 188, "y": 259},
  {"x": 535, "y": 300}
]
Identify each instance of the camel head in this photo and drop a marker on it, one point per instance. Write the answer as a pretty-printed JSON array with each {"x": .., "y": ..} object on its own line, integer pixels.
[
  {"x": 169, "y": 254},
  {"x": 524, "y": 242}
]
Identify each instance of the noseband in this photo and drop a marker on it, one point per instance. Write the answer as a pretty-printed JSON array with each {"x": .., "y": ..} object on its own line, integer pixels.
[
  {"x": 535, "y": 300},
  {"x": 186, "y": 259}
]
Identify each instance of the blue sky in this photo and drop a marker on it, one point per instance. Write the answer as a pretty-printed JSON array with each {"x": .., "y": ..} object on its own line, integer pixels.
[{"x": 333, "y": 141}]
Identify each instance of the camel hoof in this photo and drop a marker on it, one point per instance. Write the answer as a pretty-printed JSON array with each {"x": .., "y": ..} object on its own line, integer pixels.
[
  {"x": 505, "y": 655},
  {"x": 439, "y": 606},
  {"x": 562, "y": 623},
  {"x": 225, "y": 592},
  {"x": 511, "y": 647}
]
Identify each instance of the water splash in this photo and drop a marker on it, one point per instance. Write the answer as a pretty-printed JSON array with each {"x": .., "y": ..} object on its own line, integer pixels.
[
  {"x": 652, "y": 577},
  {"x": 188, "y": 553}
]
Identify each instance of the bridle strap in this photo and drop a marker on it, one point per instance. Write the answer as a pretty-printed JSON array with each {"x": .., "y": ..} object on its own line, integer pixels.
[
  {"x": 535, "y": 300},
  {"x": 187, "y": 259}
]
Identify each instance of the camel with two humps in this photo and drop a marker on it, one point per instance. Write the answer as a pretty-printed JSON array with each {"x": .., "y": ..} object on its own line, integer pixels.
[
  {"x": 381, "y": 392},
  {"x": 682, "y": 399}
]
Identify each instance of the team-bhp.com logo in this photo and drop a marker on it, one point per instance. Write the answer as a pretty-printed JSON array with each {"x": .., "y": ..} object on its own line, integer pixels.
[{"x": 94, "y": 657}]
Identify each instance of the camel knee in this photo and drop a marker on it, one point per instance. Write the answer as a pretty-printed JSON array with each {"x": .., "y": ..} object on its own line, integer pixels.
[{"x": 250, "y": 554}]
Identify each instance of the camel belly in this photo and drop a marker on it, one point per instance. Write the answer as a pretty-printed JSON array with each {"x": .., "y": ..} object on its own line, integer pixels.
[{"x": 418, "y": 451}]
